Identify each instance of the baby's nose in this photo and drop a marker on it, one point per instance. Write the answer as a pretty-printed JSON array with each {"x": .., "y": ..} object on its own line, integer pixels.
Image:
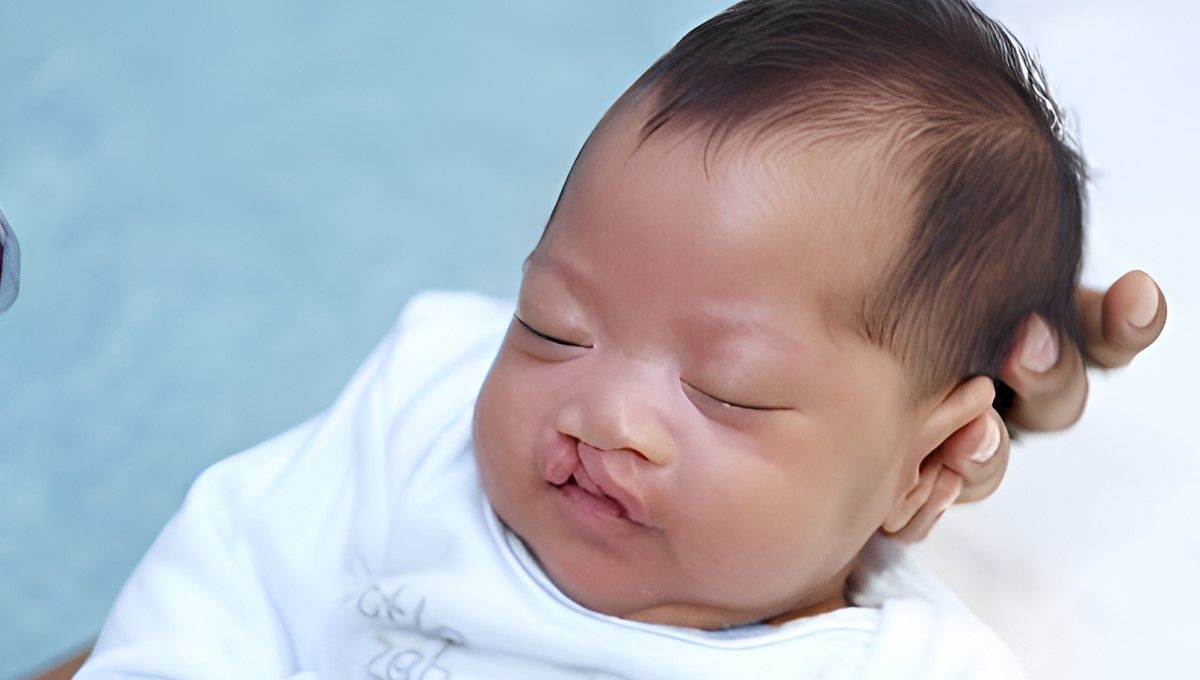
[{"x": 620, "y": 409}]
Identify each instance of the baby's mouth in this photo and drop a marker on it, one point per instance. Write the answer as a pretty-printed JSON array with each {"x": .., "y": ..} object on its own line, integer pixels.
[
  {"x": 582, "y": 474},
  {"x": 580, "y": 482}
]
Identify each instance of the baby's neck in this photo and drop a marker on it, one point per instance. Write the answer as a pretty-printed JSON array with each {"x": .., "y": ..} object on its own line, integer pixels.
[
  {"x": 838, "y": 601},
  {"x": 705, "y": 618}
]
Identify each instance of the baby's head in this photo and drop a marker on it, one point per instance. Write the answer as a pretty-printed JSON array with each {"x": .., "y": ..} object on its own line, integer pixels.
[{"x": 784, "y": 268}]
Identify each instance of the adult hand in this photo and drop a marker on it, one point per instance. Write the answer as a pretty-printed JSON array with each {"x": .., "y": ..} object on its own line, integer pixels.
[
  {"x": 10, "y": 265},
  {"x": 1050, "y": 389}
]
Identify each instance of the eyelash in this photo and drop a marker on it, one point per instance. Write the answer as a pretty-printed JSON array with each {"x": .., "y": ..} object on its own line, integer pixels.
[
  {"x": 730, "y": 404},
  {"x": 550, "y": 338}
]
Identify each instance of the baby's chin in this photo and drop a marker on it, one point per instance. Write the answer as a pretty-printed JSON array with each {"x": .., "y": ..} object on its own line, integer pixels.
[
  {"x": 633, "y": 592},
  {"x": 631, "y": 601},
  {"x": 597, "y": 579}
]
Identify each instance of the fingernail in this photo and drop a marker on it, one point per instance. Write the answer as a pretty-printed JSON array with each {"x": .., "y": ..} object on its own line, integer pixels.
[
  {"x": 991, "y": 442},
  {"x": 1040, "y": 351},
  {"x": 1145, "y": 306}
]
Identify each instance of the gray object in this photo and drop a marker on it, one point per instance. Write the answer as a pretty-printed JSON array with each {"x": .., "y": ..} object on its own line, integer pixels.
[{"x": 10, "y": 265}]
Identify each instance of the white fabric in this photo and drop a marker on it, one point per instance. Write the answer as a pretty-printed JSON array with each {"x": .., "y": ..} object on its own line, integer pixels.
[{"x": 360, "y": 545}]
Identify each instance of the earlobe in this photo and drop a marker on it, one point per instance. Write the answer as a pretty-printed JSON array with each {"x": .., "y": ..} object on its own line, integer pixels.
[{"x": 967, "y": 401}]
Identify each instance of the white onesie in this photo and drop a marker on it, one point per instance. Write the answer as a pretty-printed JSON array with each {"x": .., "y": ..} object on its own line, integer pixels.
[{"x": 360, "y": 545}]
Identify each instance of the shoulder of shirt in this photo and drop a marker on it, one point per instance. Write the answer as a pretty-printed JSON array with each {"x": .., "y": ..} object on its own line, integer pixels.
[
  {"x": 918, "y": 612},
  {"x": 428, "y": 366},
  {"x": 440, "y": 311},
  {"x": 441, "y": 339}
]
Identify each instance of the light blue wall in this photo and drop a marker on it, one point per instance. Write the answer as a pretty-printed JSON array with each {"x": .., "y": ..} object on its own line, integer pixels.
[{"x": 222, "y": 206}]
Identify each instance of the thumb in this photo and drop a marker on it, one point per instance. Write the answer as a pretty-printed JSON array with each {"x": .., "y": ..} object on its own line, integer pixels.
[{"x": 978, "y": 452}]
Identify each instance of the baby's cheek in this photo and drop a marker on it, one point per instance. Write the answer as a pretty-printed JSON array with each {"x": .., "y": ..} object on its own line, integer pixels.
[
  {"x": 494, "y": 423},
  {"x": 507, "y": 417}
]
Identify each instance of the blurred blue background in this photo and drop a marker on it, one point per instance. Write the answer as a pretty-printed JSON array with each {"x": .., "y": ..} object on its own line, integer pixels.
[{"x": 222, "y": 206}]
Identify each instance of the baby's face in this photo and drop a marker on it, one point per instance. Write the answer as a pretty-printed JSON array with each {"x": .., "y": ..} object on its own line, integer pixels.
[{"x": 674, "y": 425}]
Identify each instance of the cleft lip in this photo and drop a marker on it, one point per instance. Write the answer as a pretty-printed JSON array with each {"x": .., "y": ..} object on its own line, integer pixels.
[
  {"x": 598, "y": 466},
  {"x": 560, "y": 465}
]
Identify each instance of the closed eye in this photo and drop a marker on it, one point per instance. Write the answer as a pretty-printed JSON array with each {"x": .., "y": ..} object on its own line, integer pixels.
[
  {"x": 733, "y": 404},
  {"x": 550, "y": 338}
]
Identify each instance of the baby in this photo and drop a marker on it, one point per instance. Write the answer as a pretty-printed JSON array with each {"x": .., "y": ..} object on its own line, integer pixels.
[
  {"x": 784, "y": 270},
  {"x": 750, "y": 350}
]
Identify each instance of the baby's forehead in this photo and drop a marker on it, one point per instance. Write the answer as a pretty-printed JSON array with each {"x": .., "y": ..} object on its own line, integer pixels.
[{"x": 850, "y": 198}]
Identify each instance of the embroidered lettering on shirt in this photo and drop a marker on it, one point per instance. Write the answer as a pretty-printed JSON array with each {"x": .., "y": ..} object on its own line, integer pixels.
[{"x": 406, "y": 656}]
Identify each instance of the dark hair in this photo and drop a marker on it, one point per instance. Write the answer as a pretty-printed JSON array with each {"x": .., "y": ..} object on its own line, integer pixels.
[{"x": 963, "y": 109}]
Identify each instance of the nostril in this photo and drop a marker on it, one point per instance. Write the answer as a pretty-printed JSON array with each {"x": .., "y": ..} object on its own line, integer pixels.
[
  {"x": 639, "y": 454},
  {"x": 623, "y": 451},
  {"x": 584, "y": 446},
  {"x": 654, "y": 452}
]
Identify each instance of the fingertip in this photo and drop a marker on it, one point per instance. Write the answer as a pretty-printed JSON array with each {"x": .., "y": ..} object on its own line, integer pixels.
[
  {"x": 1038, "y": 363},
  {"x": 1144, "y": 299},
  {"x": 1132, "y": 317},
  {"x": 989, "y": 440},
  {"x": 970, "y": 449},
  {"x": 1038, "y": 348},
  {"x": 1048, "y": 401}
]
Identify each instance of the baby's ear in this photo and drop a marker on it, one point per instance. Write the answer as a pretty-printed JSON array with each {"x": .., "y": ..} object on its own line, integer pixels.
[{"x": 932, "y": 486}]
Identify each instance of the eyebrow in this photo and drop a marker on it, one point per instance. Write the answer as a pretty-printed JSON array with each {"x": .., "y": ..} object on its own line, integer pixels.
[
  {"x": 737, "y": 327},
  {"x": 563, "y": 271}
]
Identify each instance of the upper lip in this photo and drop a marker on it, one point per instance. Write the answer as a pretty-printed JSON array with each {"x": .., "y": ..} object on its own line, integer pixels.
[{"x": 598, "y": 465}]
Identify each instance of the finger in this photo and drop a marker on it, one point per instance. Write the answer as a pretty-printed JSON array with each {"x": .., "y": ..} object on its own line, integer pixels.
[
  {"x": 979, "y": 454},
  {"x": 1049, "y": 379},
  {"x": 945, "y": 491},
  {"x": 1119, "y": 324}
]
